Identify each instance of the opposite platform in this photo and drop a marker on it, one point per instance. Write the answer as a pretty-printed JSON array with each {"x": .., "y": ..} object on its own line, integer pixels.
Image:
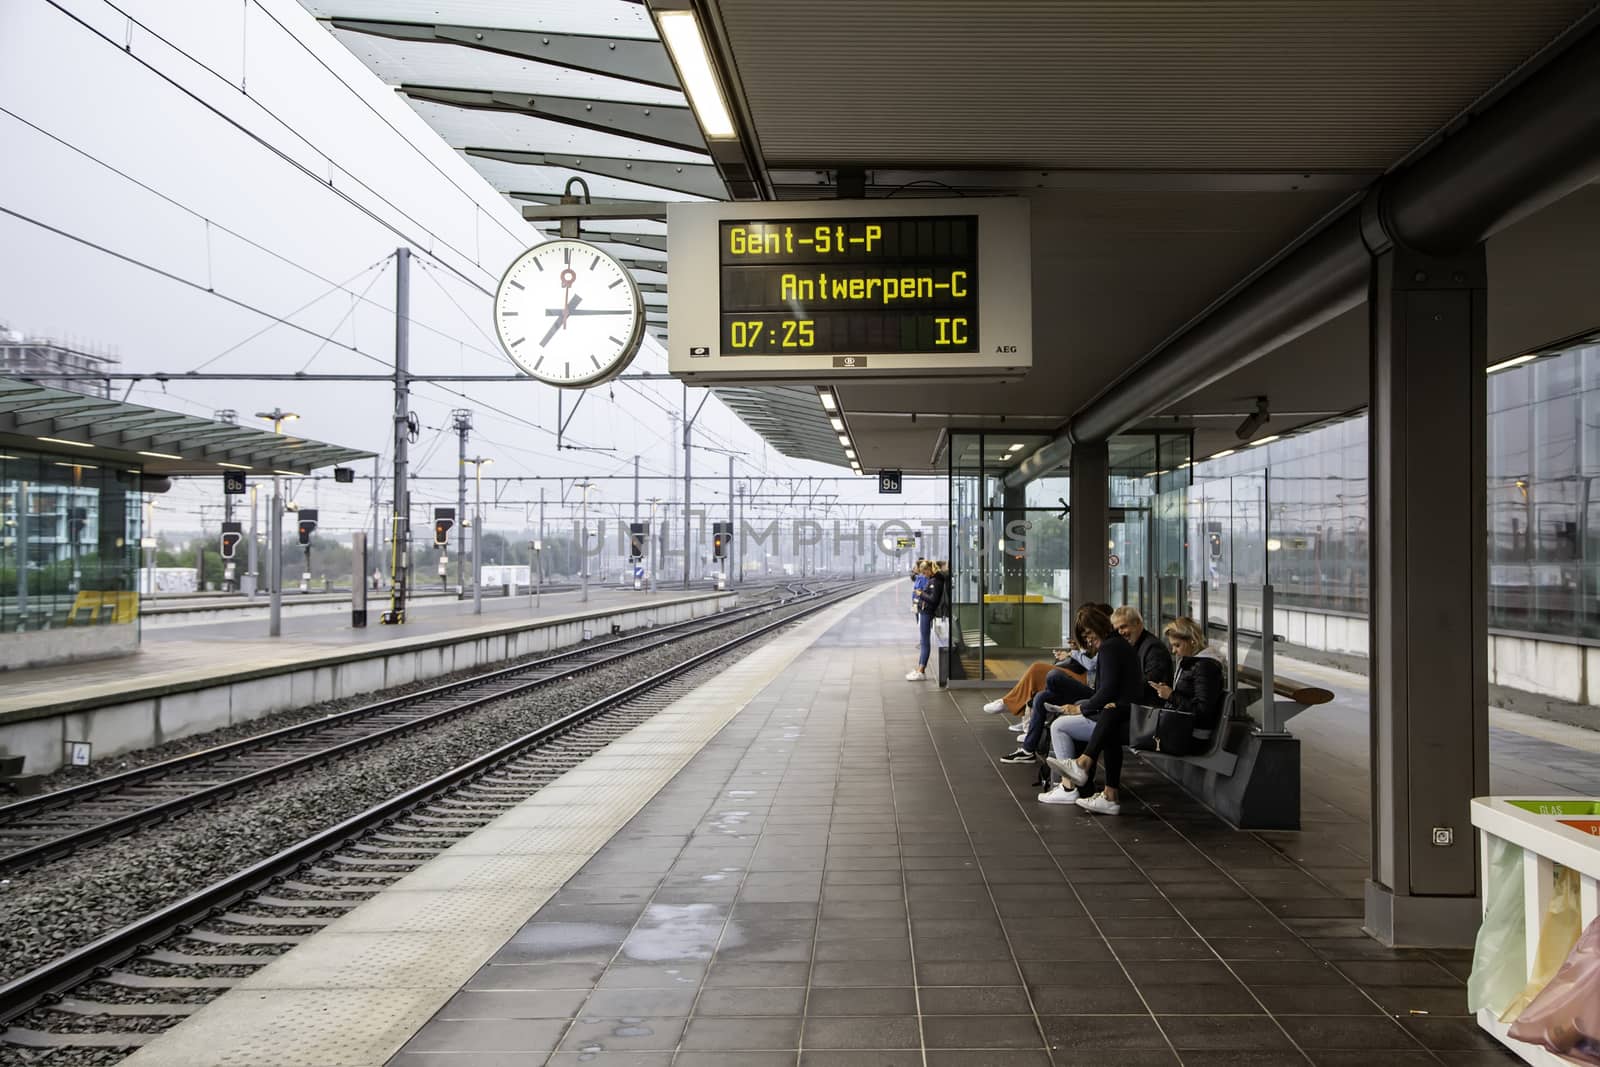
[{"x": 202, "y": 678}]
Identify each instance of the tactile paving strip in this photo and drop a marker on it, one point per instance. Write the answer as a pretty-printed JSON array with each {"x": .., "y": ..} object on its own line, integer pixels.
[{"x": 352, "y": 995}]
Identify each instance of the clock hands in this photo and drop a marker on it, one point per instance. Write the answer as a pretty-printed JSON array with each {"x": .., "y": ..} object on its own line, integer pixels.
[
  {"x": 562, "y": 321},
  {"x": 588, "y": 311},
  {"x": 568, "y": 276}
]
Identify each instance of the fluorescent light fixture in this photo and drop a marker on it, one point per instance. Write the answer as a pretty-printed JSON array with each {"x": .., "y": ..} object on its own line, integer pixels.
[
  {"x": 1225, "y": 453},
  {"x": 159, "y": 455},
  {"x": 235, "y": 466},
  {"x": 1016, "y": 446},
  {"x": 79, "y": 466},
  {"x": 681, "y": 32},
  {"x": 829, "y": 404},
  {"x": 850, "y": 453},
  {"x": 290, "y": 474},
  {"x": 1515, "y": 361},
  {"x": 837, "y": 423},
  {"x": 843, "y": 440},
  {"x": 1184, "y": 466},
  {"x": 1267, "y": 440},
  {"x": 7, "y": 457},
  {"x": 62, "y": 441}
]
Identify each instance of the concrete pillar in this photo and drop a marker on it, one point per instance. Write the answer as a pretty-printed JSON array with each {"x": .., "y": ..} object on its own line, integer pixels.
[
  {"x": 1090, "y": 515},
  {"x": 1430, "y": 743}
]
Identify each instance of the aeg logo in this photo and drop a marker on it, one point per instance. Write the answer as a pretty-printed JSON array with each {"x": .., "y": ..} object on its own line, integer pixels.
[{"x": 1005, "y": 348}]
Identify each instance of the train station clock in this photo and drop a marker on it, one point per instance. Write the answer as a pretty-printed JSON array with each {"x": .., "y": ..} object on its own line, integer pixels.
[{"x": 568, "y": 314}]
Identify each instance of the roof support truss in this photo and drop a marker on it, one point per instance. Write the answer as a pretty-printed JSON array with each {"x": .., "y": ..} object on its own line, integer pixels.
[
  {"x": 627, "y": 58},
  {"x": 672, "y": 127}
]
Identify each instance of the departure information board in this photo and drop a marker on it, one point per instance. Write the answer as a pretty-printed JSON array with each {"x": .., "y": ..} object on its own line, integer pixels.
[
  {"x": 849, "y": 289},
  {"x": 842, "y": 285}
]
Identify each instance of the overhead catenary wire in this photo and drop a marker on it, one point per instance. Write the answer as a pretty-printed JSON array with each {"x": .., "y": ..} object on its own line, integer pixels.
[
  {"x": 406, "y": 237},
  {"x": 212, "y": 224}
]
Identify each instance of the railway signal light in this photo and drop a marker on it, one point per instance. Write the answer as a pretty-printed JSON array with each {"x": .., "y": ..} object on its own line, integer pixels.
[
  {"x": 308, "y": 524},
  {"x": 232, "y": 534},
  {"x": 636, "y": 539},
  {"x": 721, "y": 538},
  {"x": 444, "y": 519}
]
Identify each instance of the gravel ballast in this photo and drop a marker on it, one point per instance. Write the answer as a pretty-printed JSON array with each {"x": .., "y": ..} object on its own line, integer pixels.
[{"x": 50, "y": 910}]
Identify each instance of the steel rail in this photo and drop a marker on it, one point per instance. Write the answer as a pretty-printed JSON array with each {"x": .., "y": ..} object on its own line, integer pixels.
[
  {"x": 44, "y": 851},
  {"x": 45, "y": 985},
  {"x": 73, "y": 794}
]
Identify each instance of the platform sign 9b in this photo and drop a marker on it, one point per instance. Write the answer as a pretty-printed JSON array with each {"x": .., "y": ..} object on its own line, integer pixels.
[
  {"x": 850, "y": 290},
  {"x": 888, "y": 481}
]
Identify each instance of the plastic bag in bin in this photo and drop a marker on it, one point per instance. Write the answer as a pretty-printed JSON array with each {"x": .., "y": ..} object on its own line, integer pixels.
[
  {"x": 1565, "y": 1017},
  {"x": 1500, "y": 957},
  {"x": 1558, "y": 933}
]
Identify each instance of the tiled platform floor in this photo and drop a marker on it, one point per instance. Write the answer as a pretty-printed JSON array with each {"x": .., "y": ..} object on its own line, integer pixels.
[{"x": 845, "y": 876}]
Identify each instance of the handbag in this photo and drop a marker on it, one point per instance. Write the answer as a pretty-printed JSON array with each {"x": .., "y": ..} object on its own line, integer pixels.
[{"x": 1164, "y": 730}]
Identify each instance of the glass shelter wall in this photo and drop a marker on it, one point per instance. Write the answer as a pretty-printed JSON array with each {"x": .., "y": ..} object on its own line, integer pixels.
[
  {"x": 1012, "y": 546},
  {"x": 1008, "y": 559},
  {"x": 69, "y": 543}
]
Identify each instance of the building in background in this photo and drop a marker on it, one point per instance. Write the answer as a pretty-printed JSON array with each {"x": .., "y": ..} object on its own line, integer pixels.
[{"x": 46, "y": 361}]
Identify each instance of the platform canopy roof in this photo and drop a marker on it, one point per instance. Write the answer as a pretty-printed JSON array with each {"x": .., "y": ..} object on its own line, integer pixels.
[
  {"x": 535, "y": 92},
  {"x": 99, "y": 429},
  {"x": 1170, "y": 152}
]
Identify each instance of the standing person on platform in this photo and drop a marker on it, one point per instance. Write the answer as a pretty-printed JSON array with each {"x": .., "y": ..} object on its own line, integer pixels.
[
  {"x": 929, "y": 599},
  {"x": 919, "y": 581}
]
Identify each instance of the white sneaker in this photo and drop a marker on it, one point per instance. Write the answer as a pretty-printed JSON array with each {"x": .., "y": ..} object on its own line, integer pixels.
[
  {"x": 915, "y": 676},
  {"x": 1019, "y": 727},
  {"x": 994, "y": 707},
  {"x": 1060, "y": 794},
  {"x": 1100, "y": 805},
  {"x": 1069, "y": 770}
]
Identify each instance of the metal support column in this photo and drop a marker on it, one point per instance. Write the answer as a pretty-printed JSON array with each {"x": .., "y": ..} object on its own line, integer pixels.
[
  {"x": 275, "y": 564},
  {"x": 688, "y": 486},
  {"x": 252, "y": 550},
  {"x": 1428, "y": 470},
  {"x": 462, "y": 420},
  {"x": 399, "y": 566},
  {"x": 1090, "y": 516}
]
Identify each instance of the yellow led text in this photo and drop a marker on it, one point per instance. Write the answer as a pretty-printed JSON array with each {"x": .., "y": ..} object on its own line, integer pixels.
[{"x": 885, "y": 291}]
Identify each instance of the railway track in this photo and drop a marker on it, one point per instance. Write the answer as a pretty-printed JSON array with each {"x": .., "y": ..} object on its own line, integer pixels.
[
  {"x": 102, "y": 1000},
  {"x": 39, "y": 829}
]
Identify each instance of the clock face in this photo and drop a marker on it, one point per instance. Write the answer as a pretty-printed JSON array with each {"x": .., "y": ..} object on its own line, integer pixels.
[{"x": 569, "y": 314}]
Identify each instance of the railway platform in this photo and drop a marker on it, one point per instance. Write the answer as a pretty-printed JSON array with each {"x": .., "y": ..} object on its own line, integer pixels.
[
  {"x": 187, "y": 680},
  {"x": 810, "y": 860}
]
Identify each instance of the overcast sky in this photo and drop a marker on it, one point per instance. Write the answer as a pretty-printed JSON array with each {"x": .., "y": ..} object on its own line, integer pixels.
[{"x": 238, "y": 149}]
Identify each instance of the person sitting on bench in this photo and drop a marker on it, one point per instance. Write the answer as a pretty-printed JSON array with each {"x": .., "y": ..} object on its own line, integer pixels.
[
  {"x": 1076, "y": 662},
  {"x": 1118, "y": 681},
  {"x": 1197, "y": 688},
  {"x": 1154, "y": 659}
]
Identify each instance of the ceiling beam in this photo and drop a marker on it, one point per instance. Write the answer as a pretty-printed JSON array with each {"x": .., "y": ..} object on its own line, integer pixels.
[
  {"x": 697, "y": 179},
  {"x": 626, "y": 58},
  {"x": 670, "y": 127}
]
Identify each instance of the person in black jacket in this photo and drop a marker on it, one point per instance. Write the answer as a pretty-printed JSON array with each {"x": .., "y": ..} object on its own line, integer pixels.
[
  {"x": 1197, "y": 688},
  {"x": 1154, "y": 660},
  {"x": 1199, "y": 685},
  {"x": 1118, "y": 680}
]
